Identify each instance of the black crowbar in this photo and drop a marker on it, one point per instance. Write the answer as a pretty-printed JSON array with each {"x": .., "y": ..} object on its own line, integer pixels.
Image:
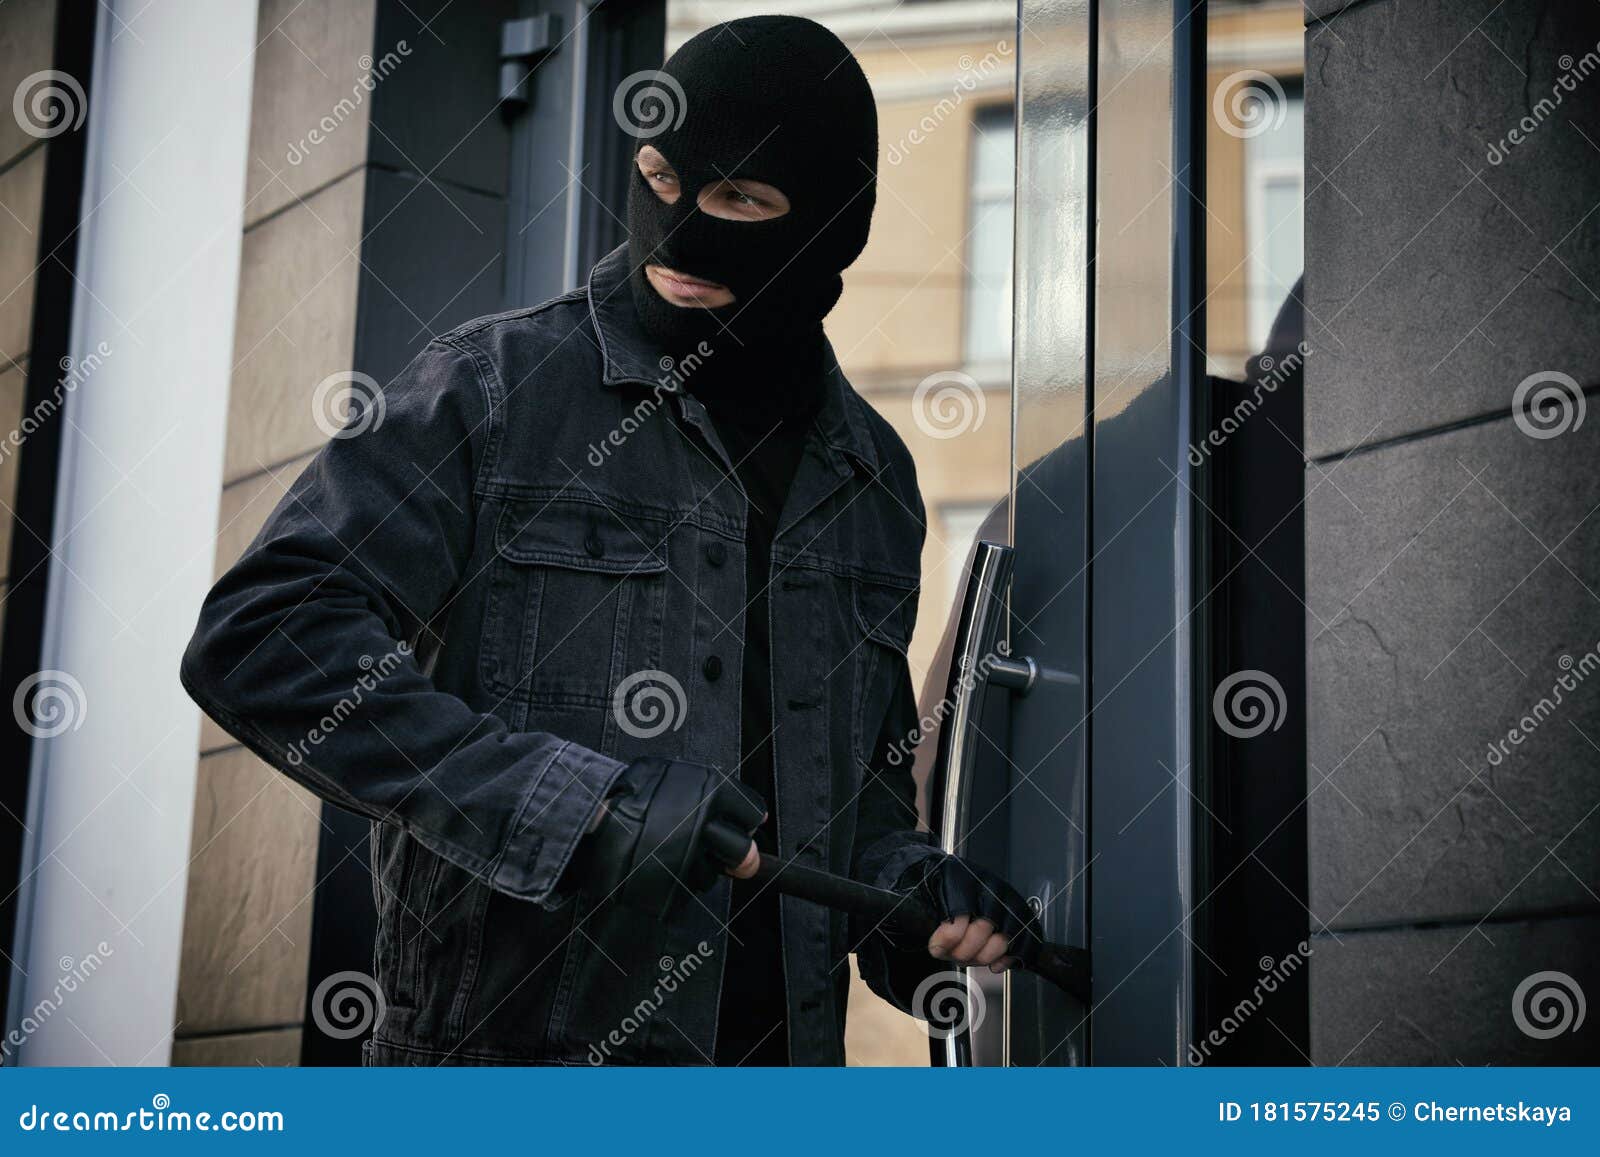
[{"x": 1065, "y": 967}]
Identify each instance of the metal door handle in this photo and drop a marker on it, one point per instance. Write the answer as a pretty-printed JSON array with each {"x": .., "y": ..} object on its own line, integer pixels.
[{"x": 976, "y": 662}]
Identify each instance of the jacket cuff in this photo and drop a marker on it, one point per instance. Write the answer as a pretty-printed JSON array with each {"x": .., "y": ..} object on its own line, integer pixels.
[
  {"x": 896, "y": 973},
  {"x": 903, "y": 858},
  {"x": 553, "y": 816},
  {"x": 890, "y": 971}
]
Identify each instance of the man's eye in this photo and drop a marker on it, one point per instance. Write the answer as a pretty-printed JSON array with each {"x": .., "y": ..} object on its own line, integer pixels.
[{"x": 662, "y": 178}]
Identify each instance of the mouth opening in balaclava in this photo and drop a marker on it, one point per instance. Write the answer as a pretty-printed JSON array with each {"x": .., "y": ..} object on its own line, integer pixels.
[{"x": 777, "y": 99}]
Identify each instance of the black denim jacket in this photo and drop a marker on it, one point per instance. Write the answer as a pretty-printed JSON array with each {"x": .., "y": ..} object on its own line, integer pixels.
[{"x": 517, "y": 569}]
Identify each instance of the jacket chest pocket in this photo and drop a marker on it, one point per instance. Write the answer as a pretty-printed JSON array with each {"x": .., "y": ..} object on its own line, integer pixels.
[
  {"x": 884, "y": 615},
  {"x": 575, "y": 604}
]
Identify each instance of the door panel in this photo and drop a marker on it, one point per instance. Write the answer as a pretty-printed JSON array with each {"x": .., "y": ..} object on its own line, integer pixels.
[
  {"x": 1102, "y": 769},
  {"x": 1141, "y": 670},
  {"x": 1046, "y": 822}
]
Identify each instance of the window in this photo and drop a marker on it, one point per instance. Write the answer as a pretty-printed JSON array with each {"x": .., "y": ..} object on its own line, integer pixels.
[
  {"x": 988, "y": 291},
  {"x": 1274, "y": 189}
]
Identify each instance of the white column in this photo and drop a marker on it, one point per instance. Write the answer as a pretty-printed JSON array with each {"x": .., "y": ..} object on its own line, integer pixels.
[{"x": 112, "y": 795}]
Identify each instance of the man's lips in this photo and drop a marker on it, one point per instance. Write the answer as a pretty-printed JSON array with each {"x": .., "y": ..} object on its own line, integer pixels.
[{"x": 686, "y": 285}]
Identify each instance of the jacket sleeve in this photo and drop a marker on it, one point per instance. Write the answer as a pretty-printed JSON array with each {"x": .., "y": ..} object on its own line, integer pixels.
[
  {"x": 887, "y": 845},
  {"x": 305, "y": 648}
]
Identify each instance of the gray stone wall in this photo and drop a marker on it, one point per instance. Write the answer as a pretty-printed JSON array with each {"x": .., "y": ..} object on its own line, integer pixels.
[{"x": 1453, "y": 529}]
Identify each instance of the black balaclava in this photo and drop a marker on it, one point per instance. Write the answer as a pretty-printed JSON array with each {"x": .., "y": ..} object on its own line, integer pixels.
[{"x": 770, "y": 98}]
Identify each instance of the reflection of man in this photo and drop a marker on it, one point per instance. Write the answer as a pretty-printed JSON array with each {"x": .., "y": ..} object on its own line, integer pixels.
[{"x": 544, "y": 673}]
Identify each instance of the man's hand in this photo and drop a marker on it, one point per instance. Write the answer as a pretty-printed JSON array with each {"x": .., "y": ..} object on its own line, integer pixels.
[
  {"x": 649, "y": 845},
  {"x": 744, "y": 870},
  {"x": 986, "y": 920},
  {"x": 968, "y": 941}
]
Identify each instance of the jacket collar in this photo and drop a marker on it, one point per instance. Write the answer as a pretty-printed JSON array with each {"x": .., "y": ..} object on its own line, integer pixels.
[{"x": 628, "y": 354}]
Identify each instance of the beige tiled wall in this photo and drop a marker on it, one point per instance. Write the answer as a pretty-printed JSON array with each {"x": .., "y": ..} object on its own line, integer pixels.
[
  {"x": 295, "y": 325},
  {"x": 242, "y": 983},
  {"x": 27, "y": 45},
  {"x": 270, "y": 1048},
  {"x": 308, "y": 61},
  {"x": 248, "y": 920},
  {"x": 21, "y": 199}
]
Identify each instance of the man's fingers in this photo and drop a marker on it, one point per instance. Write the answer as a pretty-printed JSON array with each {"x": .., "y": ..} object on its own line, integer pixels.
[
  {"x": 749, "y": 865},
  {"x": 965, "y": 940},
  {"x": 993, "y": 949},
  {"x": 946, "y": 936},
  {"x": 972, "y": 941}
]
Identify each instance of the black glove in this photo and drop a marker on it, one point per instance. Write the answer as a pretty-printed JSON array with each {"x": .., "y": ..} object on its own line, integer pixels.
[
  {"x": 650, "y": 846},
  {"x": 955, "y": 887}
]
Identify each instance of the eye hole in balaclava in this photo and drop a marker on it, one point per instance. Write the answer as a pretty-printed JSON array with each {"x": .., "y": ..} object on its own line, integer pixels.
[
  {"x": 775, "y": 99},
  {"x": 732, "y": 199}
]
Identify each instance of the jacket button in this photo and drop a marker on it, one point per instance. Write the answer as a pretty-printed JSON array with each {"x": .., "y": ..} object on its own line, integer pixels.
[
  {"x": 716, "y": 553},
  {"x": 712, "y": 668},
  {"x": 594, "y": 546}
]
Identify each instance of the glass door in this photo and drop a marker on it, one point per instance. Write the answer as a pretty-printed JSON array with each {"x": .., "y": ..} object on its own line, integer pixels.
[
  {"x": 1158, "y": 241},
  {"x": 1092, "y": 781},
  {"x": 1044, "y": 824},
  {"x": 1027, "y": 315}
]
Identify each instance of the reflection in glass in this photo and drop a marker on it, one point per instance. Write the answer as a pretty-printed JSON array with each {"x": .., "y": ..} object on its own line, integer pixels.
[
  {"x": 1254, "y": 148},
  {"x": 1250, "y": 455},
  {"x": 988, "y": 305}
]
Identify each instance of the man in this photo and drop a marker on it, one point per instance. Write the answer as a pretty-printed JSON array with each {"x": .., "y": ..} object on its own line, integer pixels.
[{"x": 591, "y": 577}]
